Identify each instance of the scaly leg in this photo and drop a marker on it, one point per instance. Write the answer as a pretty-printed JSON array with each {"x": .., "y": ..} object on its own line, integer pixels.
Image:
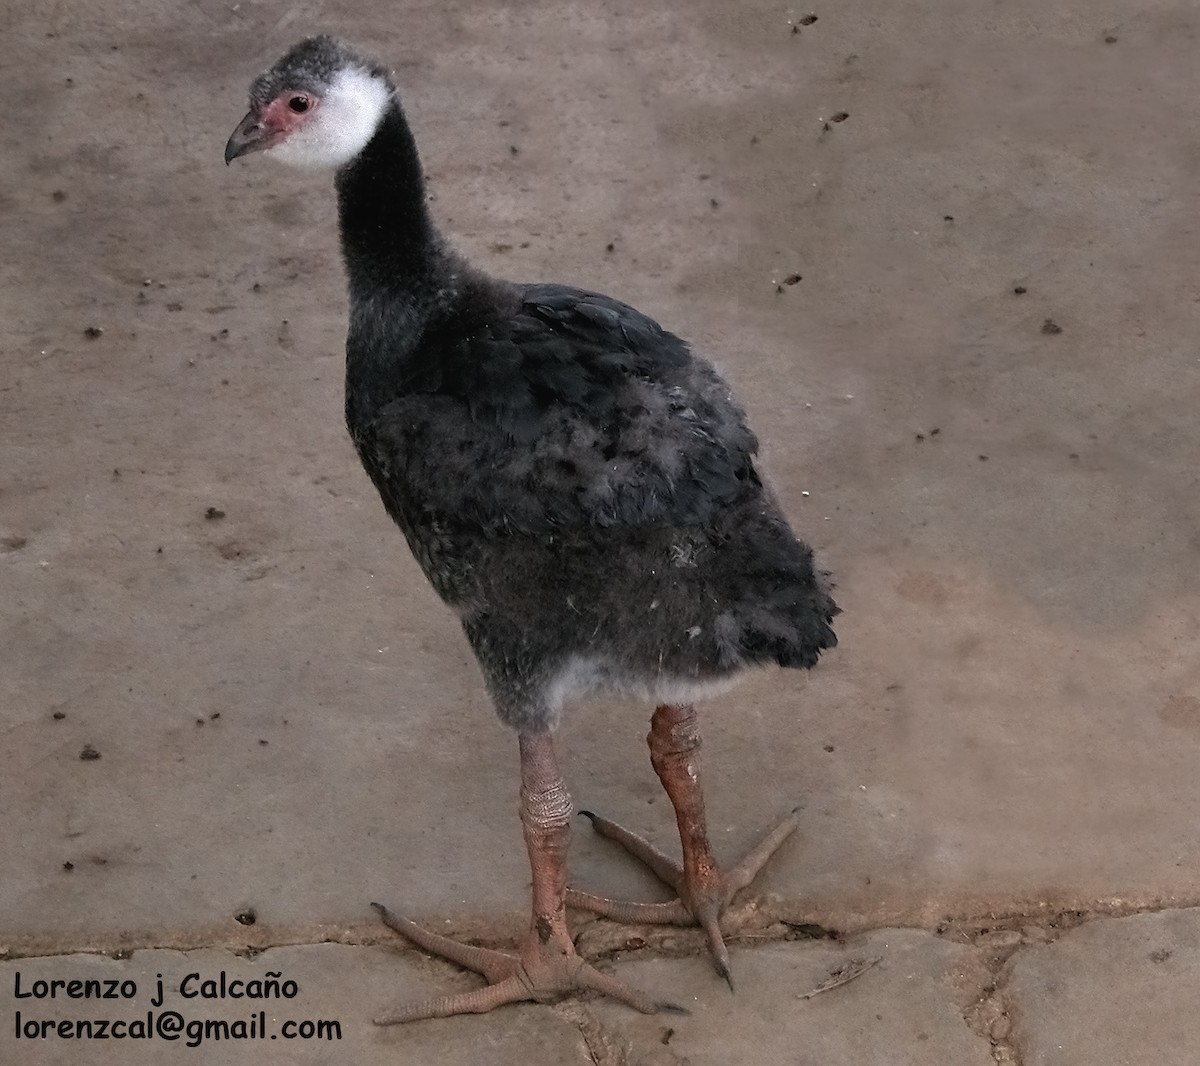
[
  {"x": 704, "y": 889},
  {"x": 546, "y": 965}
]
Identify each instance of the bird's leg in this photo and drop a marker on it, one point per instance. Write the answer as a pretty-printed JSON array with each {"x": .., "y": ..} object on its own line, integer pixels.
[
  {"x": 704, "y": 888},
  {"x": 546, "y": 965}
]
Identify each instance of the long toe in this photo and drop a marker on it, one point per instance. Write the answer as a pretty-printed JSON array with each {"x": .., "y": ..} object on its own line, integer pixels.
[{"x": 477, "y": 1001}]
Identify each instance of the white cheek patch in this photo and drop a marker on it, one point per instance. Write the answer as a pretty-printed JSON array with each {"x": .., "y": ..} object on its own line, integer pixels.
[{"x": 343, "y": 124}]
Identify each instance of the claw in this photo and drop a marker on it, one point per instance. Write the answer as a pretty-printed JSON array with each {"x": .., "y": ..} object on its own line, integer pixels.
[
  {"x": 724, "y": 971},
  {"x": 707, "y": 915}
]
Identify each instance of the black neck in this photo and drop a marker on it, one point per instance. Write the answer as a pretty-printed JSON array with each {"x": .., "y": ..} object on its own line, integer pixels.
[{"x": 388, "y": 240}]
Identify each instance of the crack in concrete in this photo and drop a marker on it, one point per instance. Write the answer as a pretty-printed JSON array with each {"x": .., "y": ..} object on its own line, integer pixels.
[
  {"x": 988, "y": 1017},
  {"x": 598, "y": 939},
  {"x": 604, "y": 1047},
  {"x": 1001, "y": 938},
  {"x": 998, "y": 937},
  {"x": 607, "y": 1047}
]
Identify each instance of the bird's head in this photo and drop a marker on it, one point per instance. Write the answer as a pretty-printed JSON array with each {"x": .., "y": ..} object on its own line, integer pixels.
[{"x": 318, "y": 106}]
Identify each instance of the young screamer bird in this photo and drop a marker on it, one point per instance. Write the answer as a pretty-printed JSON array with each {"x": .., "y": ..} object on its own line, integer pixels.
[{"x": 578, "y": 487}]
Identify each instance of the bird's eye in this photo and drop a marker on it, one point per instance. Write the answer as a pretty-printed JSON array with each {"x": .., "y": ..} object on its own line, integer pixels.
[{"x": 299, "y": 104}]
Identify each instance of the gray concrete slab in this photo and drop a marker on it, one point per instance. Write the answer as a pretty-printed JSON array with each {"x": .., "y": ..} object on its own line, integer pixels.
[
  {"x": 1012, "y": 715},
  {"x": 1121, "y": 991},
  {"x": 326, "y": 1021},
  {"x": 906, "y": 1009}
]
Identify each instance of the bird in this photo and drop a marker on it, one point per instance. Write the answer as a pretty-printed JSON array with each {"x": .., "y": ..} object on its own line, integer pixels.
[{"x": 578, "y": 486}]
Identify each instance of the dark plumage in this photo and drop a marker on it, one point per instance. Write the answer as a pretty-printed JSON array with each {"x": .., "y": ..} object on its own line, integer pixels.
[{"x": 576, "y": 484}]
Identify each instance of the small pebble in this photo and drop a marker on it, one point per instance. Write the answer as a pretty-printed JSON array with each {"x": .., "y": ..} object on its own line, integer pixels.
[{"x": 89, "y": 754}]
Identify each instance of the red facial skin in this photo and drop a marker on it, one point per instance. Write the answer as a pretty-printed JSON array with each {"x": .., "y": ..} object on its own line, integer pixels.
[{"x": 265, "y": 128}]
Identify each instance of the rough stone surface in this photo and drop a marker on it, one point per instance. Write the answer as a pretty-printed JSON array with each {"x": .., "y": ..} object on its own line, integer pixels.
[
  {"x": 1122, "y": 992},
  {"x": 904, "y": 1011}
]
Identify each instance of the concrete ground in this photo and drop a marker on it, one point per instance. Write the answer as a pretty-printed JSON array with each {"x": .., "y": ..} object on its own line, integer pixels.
[{"x": 231, "y": 712}]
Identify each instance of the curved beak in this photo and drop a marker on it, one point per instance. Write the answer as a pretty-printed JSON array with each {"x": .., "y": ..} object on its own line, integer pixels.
[{"x": 251, "y": 135}]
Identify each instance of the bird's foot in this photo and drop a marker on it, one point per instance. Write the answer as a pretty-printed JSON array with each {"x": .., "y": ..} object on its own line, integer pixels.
[
  {"x": 703, "y": 891},
  {"x": 545, "y": 968}
]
